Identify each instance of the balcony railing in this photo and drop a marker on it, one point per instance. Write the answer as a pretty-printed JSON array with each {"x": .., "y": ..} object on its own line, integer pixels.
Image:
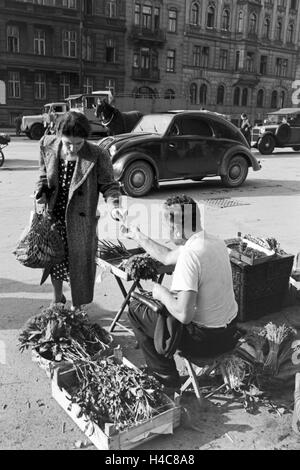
[
  {"x": 139, "y": 73},
  {"x": 139, "y": 33}
]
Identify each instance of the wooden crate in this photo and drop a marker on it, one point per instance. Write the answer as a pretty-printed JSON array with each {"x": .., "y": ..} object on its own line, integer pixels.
[{"x": 110, "y": 438}]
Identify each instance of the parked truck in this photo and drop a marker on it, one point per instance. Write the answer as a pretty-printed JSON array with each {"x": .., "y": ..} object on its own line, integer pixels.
[{"x": 34, "y": 126}]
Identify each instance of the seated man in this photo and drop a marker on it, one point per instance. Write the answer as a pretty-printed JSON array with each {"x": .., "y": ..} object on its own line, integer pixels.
[{"x": 201, "y": 297}]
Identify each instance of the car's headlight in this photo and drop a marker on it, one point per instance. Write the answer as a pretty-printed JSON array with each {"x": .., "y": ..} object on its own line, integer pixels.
[
  {"x": 113, "y": 150},
  {"x": 262, "y": 130}
]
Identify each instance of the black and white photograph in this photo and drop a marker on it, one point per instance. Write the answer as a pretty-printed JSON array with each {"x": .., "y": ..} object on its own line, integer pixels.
[{"x": 149, "y": 227}]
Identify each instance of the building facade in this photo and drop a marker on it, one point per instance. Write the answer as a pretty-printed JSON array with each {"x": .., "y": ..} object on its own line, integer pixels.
[
  {"x": 241, "y": 56},
  {"x": 52, "y": 48},
  {"x": 230, "y": 56}
]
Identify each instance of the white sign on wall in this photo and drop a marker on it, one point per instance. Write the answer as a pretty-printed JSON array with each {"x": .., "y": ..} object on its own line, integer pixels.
[{"x": 2, "y": 92}]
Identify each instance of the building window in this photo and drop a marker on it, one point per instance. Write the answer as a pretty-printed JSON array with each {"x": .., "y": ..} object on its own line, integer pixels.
[
  {"x": 147, "y": 17},
  {"x": 245, "y": 97},
  {"x": 145, "y": 58},
  {"x": 64, "y": 86},
  {"x": 137, "y": 14},
  {"x": 237, "y": 60},
  {"x": 169, "y": 94},
  {"x": 278, "y": 31},
  {"x": 282, "y": 98},
  {"x": 110, "y": 51},
  {"x": 87, "y": 48},
  {"x": 194, "y": 18},
  {"x": 156, "y": 18},
  {"x": 196, "y": 56},
  {"x": 223, "y": 59},
  {"x": 236, "y": 96},
  {"x": 88, "y": 85},
  {"x": 13, "y": 39},
  {"x": 260, "y": 99},
  {"x": 210, "y": 23},
  {"x": 253, "y": 23},
  {"x": 88, "y": 7},
  {"x": 70, "y": 44},
  {"x": 250, "y": 62},
  {"x": 226, "y": 20},
  {"x": 193, "y": 93},
  {"x": 263, "y": 64},
  {"x": 278, "y": 69},
  {"x": 274, "y": 99},
  {"x": 290, "y": 33},
  {"x": 40, "y": 86},
  {"x": 110, "y": 84},
  {"x": 205, "y": 57},
  {"x": 14, "y": 85},
  {"x": 39, "y": 42},
  {"x": 171, "y": 60},
  {"x": 111, "y": 8},
  {"x": 266, "y": 28},
  {"x": 293, "y": 5},
  {"x": 66, "y": 3},
  {"x": 203, "y": 94},
  {"x": 284, "y": 68},
  {"x": 172, "y": 23},
  {"x": 220, "y": 94},
  {"x": 241, "y": 22}
]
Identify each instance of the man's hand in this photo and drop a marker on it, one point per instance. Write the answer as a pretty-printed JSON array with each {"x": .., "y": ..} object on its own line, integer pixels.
[
  {"x": 119, "y": 214},
  {"x": 158, "y": 292}
]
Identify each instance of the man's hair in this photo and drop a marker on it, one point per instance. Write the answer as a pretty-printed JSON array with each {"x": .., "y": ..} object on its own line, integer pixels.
[
  {"x": 74, "y": 124},
  {"x": 244, "y": 115},
  {"x": 186, "y": 204}
]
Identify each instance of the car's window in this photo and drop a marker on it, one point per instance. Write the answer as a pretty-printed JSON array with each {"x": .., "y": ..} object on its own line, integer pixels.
[
  {"x": 295, "y": 120},
  {"x": 195, "y": 126},
  {"x": 58, "y": 109},
  {"x": 224, "y": 132},
  {"x": 156, "y": 123}
]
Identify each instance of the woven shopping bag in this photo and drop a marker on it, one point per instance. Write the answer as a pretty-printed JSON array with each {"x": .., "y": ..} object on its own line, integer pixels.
[{"x": 41, "y": 245}]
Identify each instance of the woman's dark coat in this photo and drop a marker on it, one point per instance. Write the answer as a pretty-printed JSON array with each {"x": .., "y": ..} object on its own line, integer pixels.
[{"x": 93, "y": 174}]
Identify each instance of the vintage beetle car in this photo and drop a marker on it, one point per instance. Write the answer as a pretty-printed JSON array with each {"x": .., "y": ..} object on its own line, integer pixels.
[
  {"x": 280, "y": 129},
  {"x": 179, "y": 145}
]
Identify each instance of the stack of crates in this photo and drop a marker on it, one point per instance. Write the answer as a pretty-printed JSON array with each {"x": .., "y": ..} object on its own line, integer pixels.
[{"x": 260, "y": 289}]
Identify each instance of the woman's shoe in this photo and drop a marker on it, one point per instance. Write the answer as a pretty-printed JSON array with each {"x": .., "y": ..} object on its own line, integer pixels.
[{"x": 62, "y": 301}]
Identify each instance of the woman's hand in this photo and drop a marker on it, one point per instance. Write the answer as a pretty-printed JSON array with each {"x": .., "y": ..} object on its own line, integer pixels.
[
  {"x": 119, "y": 214},
  {"x": 41, "y": 197}
]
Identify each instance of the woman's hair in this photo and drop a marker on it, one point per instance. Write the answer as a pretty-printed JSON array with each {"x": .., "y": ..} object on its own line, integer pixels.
[{"x": 74, "y": 124}]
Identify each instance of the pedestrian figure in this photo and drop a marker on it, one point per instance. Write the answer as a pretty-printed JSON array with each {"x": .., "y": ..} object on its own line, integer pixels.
[
  {"x": 246, "y": 127},
  {"x": 72, "y": 173},
  {"x": 18, "y": 123}
]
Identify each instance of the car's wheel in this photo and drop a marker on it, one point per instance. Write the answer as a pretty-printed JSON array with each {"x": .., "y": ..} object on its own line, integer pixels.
[
  {"x": 266, "y": 144},
  {"x": 237, "y": 171},
  {"x": 1, "y": 157},
  {"x": 138, "y": 179},
  {"x": 296, "y": 148},
  {"x": 28, "y": 135},
  {"x": 283, "y": 134},
  {"x": 37, "y": 131}
]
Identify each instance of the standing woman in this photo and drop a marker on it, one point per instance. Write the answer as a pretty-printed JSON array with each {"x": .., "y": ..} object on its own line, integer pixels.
[{"x": 72, "y": 173}]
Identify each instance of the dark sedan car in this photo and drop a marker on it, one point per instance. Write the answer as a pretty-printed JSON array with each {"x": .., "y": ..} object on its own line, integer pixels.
[{"x": 179, "y": 145}]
